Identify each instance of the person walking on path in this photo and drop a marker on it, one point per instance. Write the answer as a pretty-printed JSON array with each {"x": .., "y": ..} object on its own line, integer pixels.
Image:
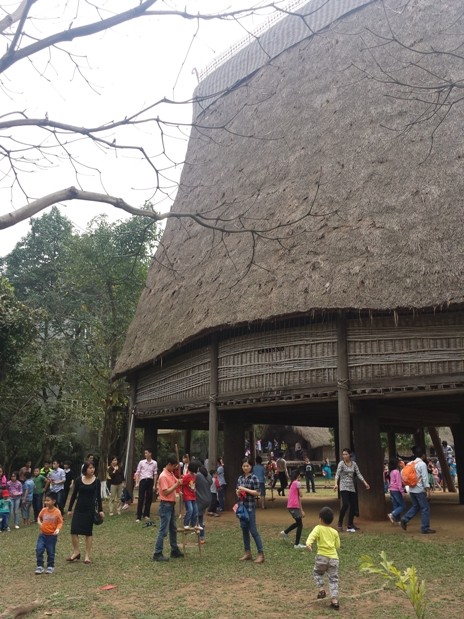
[
  {"x": 168, "y": 485},
  {"x": 309, "y": 475},
  {"x": 295, "y": 509},
  {"x": 15, "y": 489},
  {"x": 260, "y": 472},
  {"x": 282, "y": 473},
  {"x": 419, "y": 494},
  {"x": 347, "y": 470},
  {"x": 222, "y": 484},
  {"x": 145, "y": 480},
  {"x": 247, "y": 491},
  {"x": 87, "y": 496},
  {"x": 327, "y": 562},
  {"x": 396, "y": 488}
]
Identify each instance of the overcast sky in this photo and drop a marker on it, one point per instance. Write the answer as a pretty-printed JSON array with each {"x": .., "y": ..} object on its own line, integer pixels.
[{"x": 125, "y": 69}]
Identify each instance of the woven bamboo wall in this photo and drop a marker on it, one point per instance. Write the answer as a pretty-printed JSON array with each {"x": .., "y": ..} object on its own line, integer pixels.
[
  {"x": 275, "y": 360},
  {"x": 419, "y": 346},
  {"x": 186, "y": 378}
]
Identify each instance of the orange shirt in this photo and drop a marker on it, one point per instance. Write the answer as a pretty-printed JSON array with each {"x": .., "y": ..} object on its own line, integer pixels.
[
  {"x": 166, "y": 480},
  {"x": 51, "y": 520}
]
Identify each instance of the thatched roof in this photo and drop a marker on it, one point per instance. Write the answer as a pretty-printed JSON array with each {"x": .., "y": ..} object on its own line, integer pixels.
[
  {"x": 316, "y": 437},
  {"x": 385, "y": 230}
]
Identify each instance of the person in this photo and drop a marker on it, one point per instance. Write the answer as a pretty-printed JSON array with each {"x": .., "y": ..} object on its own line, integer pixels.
[
  {"x": 282, "y": 473},
  {"x": 168, "y": 485},
  {"x": 5, "y": 508},
  {"x": 190, "y": 496},
  {"x": 295, "y": 509},
  {"x": 419, "y": 494},
  {"x": 271, "y": 470},
  {"x": 87, "y": 496},
  {"x": 222, "y": 484},
  {"x": 247, "y": 490},
  {"x": 69, "y": 480},
  {"x": 45, "y": 471},
  {"x": 116, "y": 475},
  {"x": 15, "y": 490},
  {"x": 327, "y": 561},
  {"x": 38, "y": 493},
  {"x": 327, "y": 473},
  {"x": 145, "y": 480},
  {"x": 50, "y": 522},
  {"x": 309, "y": 475},
  {"x": 396, "y": 488},
  {"x": 23, "y": 470},
  {"x": 26, "y": 500},
  {"x": 447, "y": 452},
  {"x": 347, "y": 469},
  {"x": 57, "y": 478},
  {"x": 260, "y": 472},
  {"x": 203, "y": 491},
  {"x": 214, "y": 489},
  {"x": 3, "y": 479}
]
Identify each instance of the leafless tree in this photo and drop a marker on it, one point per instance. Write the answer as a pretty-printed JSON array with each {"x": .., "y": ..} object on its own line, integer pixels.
[{"x": 30, "y": 146}]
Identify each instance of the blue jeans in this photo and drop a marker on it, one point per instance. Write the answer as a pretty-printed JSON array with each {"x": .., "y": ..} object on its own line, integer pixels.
[
  {"x": 167, "y": 514},
  {"x": 249, "y": 527},
  {"x": 397, "y": 504},
  {"x": 14, "y": 510},
  {"x": 191, "y": 513},
  {"x": 221, "y": 496},
  {"x": 419, "y": 503},
  {"x": 48, "y": 543},
  {"x": 4, "y": 521}
]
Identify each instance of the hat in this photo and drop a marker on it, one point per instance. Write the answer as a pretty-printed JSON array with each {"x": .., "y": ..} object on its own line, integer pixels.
[{"x": 5, "y": 494}]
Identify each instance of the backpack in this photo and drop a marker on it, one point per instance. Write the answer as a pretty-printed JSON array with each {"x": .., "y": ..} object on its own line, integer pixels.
[{"x": 409, "y": 474}]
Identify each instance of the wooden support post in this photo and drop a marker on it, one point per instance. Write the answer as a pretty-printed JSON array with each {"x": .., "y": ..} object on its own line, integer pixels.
[
  {"x": 233, "y": 452},
  {"x": 252, "y": 441},
  {"x": 442, "y": 460},
  {"x": 213, "y": 393},
  {"x": 369, "y": 457},
  {"x": 344, "y": 429},
  {"x": 458, "y": 438},
  {"x": 392, "y": 451},
  {"x": 150, "y": 436},
  {"x": 419, "y": 438},
  {"x": 129, "y": 465},
  {"x": 188, "y": 443}
]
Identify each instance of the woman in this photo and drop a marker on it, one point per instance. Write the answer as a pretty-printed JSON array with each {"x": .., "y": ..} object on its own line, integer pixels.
[
  {"x": 223, "y": 484},
  {"x": 87, "y": 491},
  {"x": 15, "y": 488},
  {"x": 395, "y": 485},
  {"x": 247, "y": 491},
  {"x": 344, "y": 480},
  {"x": 116, "y": 477}
]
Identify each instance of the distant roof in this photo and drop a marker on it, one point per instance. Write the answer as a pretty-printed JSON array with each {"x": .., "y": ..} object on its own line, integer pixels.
[{"x": 385, "y": 229}]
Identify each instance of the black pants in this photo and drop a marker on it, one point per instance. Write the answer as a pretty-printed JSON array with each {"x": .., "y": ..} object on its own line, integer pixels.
[
  {"x": 145, "y": 498},
  {"x": 310, "y": 480},
  {"x": 298, "y": 525},
  {"x": 348, "y": 502},
  {"x": 283, "y": 482}
]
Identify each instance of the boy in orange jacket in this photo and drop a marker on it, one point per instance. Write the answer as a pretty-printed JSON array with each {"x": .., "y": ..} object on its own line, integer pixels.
[{"x": 50, "y": 522}]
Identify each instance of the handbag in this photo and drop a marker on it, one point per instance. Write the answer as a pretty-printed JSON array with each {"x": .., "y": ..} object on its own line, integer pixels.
[
  {"x": 241, "y": 512},
  {"x": 97, "y": 519}
]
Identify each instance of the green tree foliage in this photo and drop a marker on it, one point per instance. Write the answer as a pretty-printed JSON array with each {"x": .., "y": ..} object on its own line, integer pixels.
[{"x": 86, "y": 287}]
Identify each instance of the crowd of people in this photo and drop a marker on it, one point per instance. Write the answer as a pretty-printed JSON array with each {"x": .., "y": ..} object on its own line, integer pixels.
[{"x": 41, "y": 495}]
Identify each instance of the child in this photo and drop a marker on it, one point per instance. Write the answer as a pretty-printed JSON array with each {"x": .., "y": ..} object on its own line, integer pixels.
[
  {"x": 5, "y": 506},
  {"x": 15, "y": 489},
  {"x": 50, "y": 522},
  {"x": 190, "y": 496},
  {"x": 28, "y": 490},
  {"x": 328, "y": 541},
  {"x": 295, "y": 509},
  {"x": 395, "y": 485},
  {"x": 37, "y": 496}
]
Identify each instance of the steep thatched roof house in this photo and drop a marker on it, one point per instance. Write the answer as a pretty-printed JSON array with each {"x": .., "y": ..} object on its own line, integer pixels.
[{"x": 352, "y": 316}]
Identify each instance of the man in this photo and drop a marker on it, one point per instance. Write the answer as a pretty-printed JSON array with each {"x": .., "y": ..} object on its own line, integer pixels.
[
  {"x": 23, "y": 470},
  {"x": 57, "y": 480},
  {"x": 168, "y": 484},
  {"x": 309, "y": 475},
  {"x": 282, "y": 473},
  {"x": 419, "y": 494},
  {"x": 45, "y": 472},
  {"x": 145, "y": 480}
]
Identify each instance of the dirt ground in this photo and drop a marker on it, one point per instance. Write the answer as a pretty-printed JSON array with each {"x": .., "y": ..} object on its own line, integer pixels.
[{"x": 446, "y": 515}]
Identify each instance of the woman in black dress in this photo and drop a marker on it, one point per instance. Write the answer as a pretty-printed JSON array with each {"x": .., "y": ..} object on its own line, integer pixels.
[{"x": 87, "y": 490}]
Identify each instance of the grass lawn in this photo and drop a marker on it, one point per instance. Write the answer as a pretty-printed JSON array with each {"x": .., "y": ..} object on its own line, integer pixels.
[{"x": 216, "y": 585}]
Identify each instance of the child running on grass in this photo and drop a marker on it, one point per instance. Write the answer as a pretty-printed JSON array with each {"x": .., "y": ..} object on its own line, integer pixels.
[
  {"x": 50, "y": 522},
  {"x": 295, "y": 509},
  {"x": 328, "y": 541}
]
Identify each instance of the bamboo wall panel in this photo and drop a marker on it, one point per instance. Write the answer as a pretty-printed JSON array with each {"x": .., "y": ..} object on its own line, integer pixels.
[
  {"x": 185, "y": 379},
  {"x": 419, "y": 346},
  {"x": 289, "y": 358}
]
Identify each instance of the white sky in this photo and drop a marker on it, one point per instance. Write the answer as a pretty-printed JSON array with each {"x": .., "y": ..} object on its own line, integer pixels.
[{"x": 128, "y": 67}]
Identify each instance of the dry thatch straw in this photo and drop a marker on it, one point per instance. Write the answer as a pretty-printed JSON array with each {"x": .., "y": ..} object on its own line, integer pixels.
[{"x": 385, "y": 229}]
